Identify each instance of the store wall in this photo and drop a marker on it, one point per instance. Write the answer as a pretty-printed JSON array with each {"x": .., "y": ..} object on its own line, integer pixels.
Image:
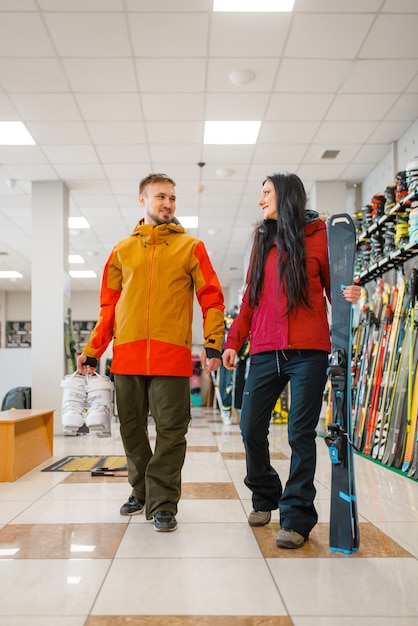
[{"x": 395, "y": 161}]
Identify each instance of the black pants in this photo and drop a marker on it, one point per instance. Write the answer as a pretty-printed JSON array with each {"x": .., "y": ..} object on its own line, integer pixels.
[{"x": 268, "y": 375}]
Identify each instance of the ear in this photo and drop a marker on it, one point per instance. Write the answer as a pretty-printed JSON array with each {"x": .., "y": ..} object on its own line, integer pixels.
[{"x": 141, "y": 199}]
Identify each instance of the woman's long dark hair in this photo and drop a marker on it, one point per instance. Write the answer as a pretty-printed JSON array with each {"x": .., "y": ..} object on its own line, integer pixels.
[{"x": 288, "y": 235}]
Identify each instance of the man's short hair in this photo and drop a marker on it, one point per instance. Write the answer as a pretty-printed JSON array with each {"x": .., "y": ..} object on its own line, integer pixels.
[{"x": 154, "y": 178}]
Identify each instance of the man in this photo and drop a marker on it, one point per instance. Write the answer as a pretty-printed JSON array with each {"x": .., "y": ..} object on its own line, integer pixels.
[{"x": 146, "y": 304}]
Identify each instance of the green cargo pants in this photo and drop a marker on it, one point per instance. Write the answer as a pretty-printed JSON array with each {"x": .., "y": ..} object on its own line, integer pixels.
[{"x": 154, "y": 475}]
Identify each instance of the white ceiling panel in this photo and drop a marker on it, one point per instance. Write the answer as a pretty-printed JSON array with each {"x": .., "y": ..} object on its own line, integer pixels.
[
  {"x": 96, "y": 34},
  {"x": 163, "y": 75},
  {"x": 114, "y": 89},
  {"x": 327, "y": 36},
  {"x": 101, "y": 75},
  {"x": 167, "y": 35},
  {"x": 305, "y": 107},
  {"x": 311, "y": 76},
  {"x": 382, "y": 42},
  {"x": 357, "y": 107},
  {"x": 379, "y": 76}
]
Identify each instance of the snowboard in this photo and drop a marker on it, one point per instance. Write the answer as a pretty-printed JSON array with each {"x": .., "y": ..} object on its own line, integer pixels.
[{"x": 344, "y": 533}]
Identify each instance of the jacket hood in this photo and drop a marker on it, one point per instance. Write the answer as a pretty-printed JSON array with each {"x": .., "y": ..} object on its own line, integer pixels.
[
  {"x": 312, "y": 222},
  {"x": 157, "y": 233}
]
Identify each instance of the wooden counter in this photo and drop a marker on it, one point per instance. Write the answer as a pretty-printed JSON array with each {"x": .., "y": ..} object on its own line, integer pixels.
[{"x": 26, "y": 440}]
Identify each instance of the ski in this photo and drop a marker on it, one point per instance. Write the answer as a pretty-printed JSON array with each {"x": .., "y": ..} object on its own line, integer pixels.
[{"x": 344, "y": 533}]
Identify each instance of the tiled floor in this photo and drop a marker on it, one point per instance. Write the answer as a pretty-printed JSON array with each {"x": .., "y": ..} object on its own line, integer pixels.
[{"x": 67, "y": 557}]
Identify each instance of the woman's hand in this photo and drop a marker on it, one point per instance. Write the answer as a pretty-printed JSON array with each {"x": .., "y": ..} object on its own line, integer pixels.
[{"x": 228, "y": 358}]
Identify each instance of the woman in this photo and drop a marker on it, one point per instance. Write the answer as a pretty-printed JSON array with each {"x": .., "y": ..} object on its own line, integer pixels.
[{"x": 284, "y": 314}]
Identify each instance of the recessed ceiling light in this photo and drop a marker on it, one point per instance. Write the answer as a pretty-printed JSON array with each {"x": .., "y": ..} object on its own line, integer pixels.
[
  {"x": 78, "y": 222},
  {"x": 10, "y": 274},
  {"x": 75, "y": 258},
  {"x": 189, "y": 221},
  {"x": 231, "y": 132},
  {"x": 82, "y": 274},
  {"x": 15, "y": 134},
  {"x": 255, "y": 6}
]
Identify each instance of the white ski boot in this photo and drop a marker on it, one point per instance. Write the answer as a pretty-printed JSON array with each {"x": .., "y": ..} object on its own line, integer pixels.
[
  {"x": 73, "y": 402},
  {"x": 99, "y": 402}
]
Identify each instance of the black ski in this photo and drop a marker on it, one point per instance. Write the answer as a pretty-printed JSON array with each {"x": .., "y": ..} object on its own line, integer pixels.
[{"x": 344, "y": 529}]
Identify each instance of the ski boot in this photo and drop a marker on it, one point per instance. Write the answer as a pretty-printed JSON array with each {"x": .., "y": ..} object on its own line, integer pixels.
[
  {"x": 99, "y": 402},
  {"x": 73, "y": 402}
]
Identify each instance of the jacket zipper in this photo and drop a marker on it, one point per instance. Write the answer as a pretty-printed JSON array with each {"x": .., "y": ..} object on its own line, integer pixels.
[{"x": 149, "y": 307}]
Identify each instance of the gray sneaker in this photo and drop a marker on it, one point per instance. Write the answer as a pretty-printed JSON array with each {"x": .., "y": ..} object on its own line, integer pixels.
[
  {"x": 259, "y": 518},
  {"x": 289, "y": 539},
  {"x": 164, "y": 521},
  {"x": 132, "y": 507}
]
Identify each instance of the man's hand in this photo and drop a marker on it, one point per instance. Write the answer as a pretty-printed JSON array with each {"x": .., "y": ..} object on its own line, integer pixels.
[
  {"x": 209, "y": 365},
  {"x": 82, "y": 368}
]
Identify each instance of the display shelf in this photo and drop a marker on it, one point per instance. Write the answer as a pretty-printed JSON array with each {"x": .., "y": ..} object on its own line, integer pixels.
[{"x": 18, "y": 334}]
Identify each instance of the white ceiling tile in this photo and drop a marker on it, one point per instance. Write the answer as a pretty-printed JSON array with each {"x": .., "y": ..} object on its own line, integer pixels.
[
  {"x": 327, "y": 36},
  {"x": 405, "y": 108},
  {"x": 70, "y": 153},
  {"x": 308, "y": 107},
  {"x": 379, "y": 76},
  {"x": 100, "y": 75},
  {"x": 173, "y": 107},
  {"x": 58, "y": 132},
  {"x": 89, "y": 34},
  {"x": 413, "y": 86},
  {"x": 32, "y": 75},
  {"x": 395, "y": 6},
  {"x": 116, "y": 132},
  {"x": 318, "y": 171},
  {"x": 393, "y": 37},
  {"x": 311, "y": 76},
  {"x": 357, "y": 172},
  {"x": 123, "y": 171},
  {"x": 171, "y": 75},
  {"x": 123, "y": 153},
  {"x": 92, "y": 201},
  {"x": 167, "y": 5},
  {"x": 109, "y": 106},
  {"x": 371, "y": 153},
  {"x": 246, "y": 106},
  {"x": 339, "y": 6},
  {"x": 24, "y": 35},
  {"x": 22, "y": 154},
  {"x": 7, "y": 109},
  {"x": 79, "y": 171},
  {"x": 50, "y": 107},
  {"x": 349, "y": 132},
  {"x": 179, "y": 35},
  {"x": 386, "y": 132},
  {"x": 182, "y": 153},
  {"x": 279, "y": 153},
  {"x": 227, "y": 155},
  {"x": 253, "y": 35},
  {"x": 175, "y": 132},
  {"x": 34, "y": 171},
  {"x": 287, "y": 132},
  {"x": 81, "y": 5},
  {"x": 361, "y": 107}
]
